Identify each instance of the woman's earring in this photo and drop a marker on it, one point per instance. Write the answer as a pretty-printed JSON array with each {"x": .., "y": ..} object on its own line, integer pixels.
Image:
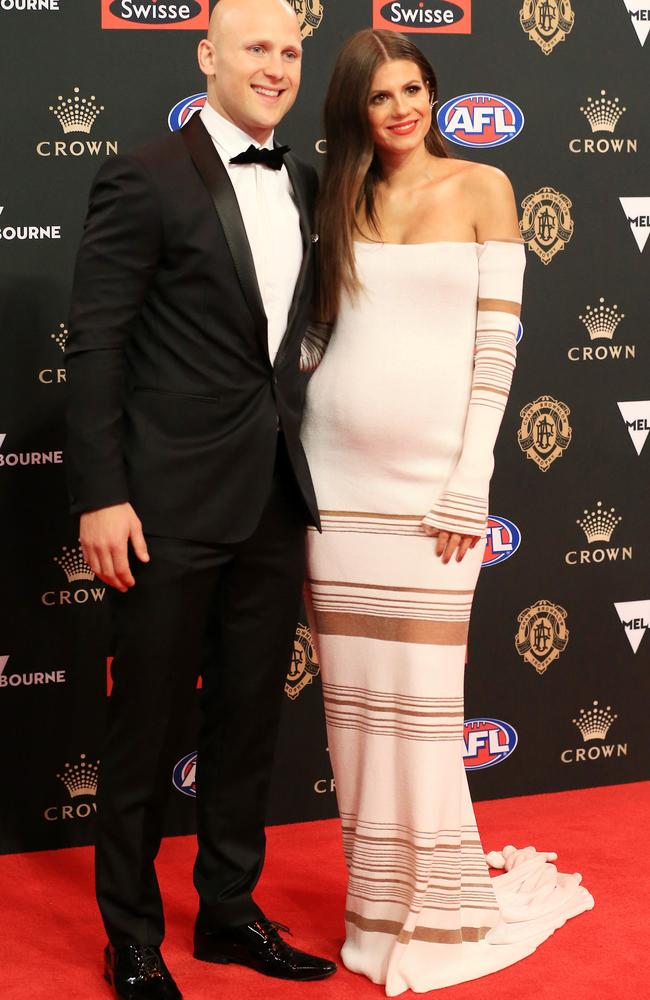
[{"x": 433, "y": 103}]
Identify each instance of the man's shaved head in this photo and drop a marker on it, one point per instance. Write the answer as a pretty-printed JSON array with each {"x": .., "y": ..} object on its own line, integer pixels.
[
  {"x": 251, "y": 59},
  {"x": 225, "y": 9}
]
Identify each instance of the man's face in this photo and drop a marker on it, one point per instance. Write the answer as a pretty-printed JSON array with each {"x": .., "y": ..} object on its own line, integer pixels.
[{"x": 256, "y": 65}]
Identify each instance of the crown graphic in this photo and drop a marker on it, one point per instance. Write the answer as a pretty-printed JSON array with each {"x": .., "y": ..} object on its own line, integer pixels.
[
  {"x": 81, "y": 778},
  {"x": 594, "y": 724},
  {"x": 73, "y": 564},
  {"x": 602, "y": 320},
  {"x": 603, "y": 114},
  {"x": 76, "y": 114},
  {"x": 60, "y": 337},
  {"x": 598, "y": 525}
]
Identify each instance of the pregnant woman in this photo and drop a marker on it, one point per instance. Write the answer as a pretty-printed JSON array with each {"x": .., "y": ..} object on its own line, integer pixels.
[{"x": 421, "y": 283}]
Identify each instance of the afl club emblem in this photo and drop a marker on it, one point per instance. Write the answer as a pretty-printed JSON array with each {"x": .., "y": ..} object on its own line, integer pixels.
[
  {"x": 304, "y": 663},
  {"x": 310, "y": 15},
  {"x": 546, "y": 225},
  {"x": 545, "y": 432},
  {"x": 542, "y": 634},
  {"x": 547, "y": 22}
]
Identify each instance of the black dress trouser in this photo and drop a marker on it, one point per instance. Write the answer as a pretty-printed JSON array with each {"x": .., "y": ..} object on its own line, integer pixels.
[{"x": 227, "y": 612}]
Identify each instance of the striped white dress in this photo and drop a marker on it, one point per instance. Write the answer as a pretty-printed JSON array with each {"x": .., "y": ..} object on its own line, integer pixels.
[{"x": 402, "y": 416}]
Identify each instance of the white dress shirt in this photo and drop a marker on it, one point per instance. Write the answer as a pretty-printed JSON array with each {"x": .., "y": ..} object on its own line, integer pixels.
[{"x": 271, "y": 219}]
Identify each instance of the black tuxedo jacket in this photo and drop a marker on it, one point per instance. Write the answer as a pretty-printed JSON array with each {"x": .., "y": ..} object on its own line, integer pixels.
[{"x": 173, "y": 401}]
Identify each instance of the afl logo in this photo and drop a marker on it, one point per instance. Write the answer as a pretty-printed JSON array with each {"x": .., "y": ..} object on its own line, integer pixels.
[
  {"x": 181, "y": 113},
  {"x": 520, "y": 333},
  {"x": 480, "y": 120},
  {"x": 184, "y": 775},
  {"x": 487, "y": 742},
  {"x": 503, "y": 540}
]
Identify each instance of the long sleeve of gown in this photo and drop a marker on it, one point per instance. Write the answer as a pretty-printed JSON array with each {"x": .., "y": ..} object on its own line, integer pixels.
[{"x": 463, "y": 505}]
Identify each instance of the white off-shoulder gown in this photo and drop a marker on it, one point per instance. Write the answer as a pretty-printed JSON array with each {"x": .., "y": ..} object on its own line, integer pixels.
[{"x": 402, "y": 415}]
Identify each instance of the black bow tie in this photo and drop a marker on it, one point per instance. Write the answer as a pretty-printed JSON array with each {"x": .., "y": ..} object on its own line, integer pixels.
[{"x": 273, "y": 158}]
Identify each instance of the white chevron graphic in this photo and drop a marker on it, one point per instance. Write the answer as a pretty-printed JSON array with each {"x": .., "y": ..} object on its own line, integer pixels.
[{"x": 639, "y": 11}]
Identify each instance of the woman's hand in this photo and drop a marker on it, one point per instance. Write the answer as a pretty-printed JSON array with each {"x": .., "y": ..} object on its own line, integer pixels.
[{"x": 449, "y": 543}]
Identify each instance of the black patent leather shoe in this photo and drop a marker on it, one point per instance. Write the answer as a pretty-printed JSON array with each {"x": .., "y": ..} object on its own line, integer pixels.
[
  {"x": 260, "y": 947},
  {"x": 137, "y": 972}
]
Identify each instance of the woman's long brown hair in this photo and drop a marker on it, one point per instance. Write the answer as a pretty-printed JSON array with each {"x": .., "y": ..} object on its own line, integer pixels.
[{"x": 352, "y": 169}]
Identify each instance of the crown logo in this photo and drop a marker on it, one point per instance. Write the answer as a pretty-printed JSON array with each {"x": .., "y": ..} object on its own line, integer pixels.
[
  {"x": 595, "y": 723},
  {"x": 73, "y": 564},
  {"x": 81, "y": 778},
  {"x": 76, "y": 114},
  {"x": 602, "y": 320},
  {"x": 598, "y": 525},
  {"x": 603, "y": 114},
  {"x": 60, "y": 337}
]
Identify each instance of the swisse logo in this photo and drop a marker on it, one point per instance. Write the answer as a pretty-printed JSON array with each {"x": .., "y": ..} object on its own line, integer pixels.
[
  {"x": 78, "y": 574},
  {"x": 503, "y": 540},
  {"x": 181, "y": 113},
  {"x": 413, "y": 16},
  {"x": 487, "y": 742},
  {"x": 35, "y": 678},
  {"x": 184, "y": 775},
  {"x": 159, "y": 14},
  {"x": 594, "y": 724},
  {"x": 13, "y": 458},
  {"x": 480, "y": 120}
]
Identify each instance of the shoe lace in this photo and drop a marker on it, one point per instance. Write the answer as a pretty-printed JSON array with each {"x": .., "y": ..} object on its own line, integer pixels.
[{"x": 277, "y": 926}]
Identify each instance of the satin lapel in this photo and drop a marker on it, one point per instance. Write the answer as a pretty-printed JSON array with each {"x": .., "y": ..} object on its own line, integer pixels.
[
  {"x": 301, "y": 196},
  {"x": 215, "y": 177}
]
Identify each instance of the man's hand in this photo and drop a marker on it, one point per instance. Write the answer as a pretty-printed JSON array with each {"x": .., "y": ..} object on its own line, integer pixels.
[
  {"x": 448, "y": 543},
  {"x": 104, "y": 535}
]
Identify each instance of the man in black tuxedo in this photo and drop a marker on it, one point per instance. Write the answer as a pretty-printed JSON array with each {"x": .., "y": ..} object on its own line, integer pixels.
[{"x": 192, "y": 294}]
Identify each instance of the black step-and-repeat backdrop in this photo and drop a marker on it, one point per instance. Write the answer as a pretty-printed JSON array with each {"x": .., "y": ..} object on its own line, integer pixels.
[{"x": 554, "y": 92}]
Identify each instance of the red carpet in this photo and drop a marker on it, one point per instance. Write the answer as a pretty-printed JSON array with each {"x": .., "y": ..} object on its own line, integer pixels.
[{"x": 51, "y": 936}]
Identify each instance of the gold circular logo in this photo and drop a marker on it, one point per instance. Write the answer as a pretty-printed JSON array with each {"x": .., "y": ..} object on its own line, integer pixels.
[
  {"x": 310, "y": 15},
  {"x": 545, "y": 432},
  {"x": 304, "y": 664},
  {"x": 547, "y": 22},
  {"x": 542, "y": 634}
]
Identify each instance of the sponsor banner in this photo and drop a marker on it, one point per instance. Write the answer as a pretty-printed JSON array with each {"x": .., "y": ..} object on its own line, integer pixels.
[
  {"x": 310, "y": 15},
  {"x": 601, "y": 323},
  {"x": 20, "y": 232},
  {"x": 181, "y": 113},
  {"x": 547, "y": 24},
  {"x": 156, "y": 15},
  {"x": 503, "y": 540},
  {"x": 32, "y": 6},
  {"x": 637, "y": 213},
  {"x": 599, "y": 525},
  {"x": 546, "y": 224},
  {"x": 480, "y": 120},
  {"x": 184, "y": 775},
  {"x": 635, "y": 619},
  {"x": 80, "y": 781},
  {"x": 603, "y": 115},
  {"x": 32, "y": 678},
  {"x": 594, "y": 724},
  {"x": 424, "y": 16},
  {"x": 11, "y": 459},
  {"x": 76, "y": 116},
  {"x": 545, "y": 432},
  {"x": 639, "y": 12},
  {"x": 542, "y": 634},
  {"x": 636, "y": 414},
  {"x": 487, "y": 742}
]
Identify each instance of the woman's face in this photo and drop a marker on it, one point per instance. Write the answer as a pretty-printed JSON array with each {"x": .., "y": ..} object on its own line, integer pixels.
[{"x": 399, "y": 107}]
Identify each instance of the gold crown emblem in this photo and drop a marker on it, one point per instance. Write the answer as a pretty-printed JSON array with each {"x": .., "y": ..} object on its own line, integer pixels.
[
  {"x": 73, "y": 564},
  {"x": 595, "y": 723},
  {"x": 76, "y": 114},
  {"x": 598, "y": 525},
  {"x": 602, "y": 320},
  {"x": 81, "y": 778},
  {"x": 603, "y": 114},
  {"x": 60, "y": 337}
]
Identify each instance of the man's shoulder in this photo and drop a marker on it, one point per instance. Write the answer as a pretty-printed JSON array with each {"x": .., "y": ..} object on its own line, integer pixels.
[{"x": 155, "y": 153}]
